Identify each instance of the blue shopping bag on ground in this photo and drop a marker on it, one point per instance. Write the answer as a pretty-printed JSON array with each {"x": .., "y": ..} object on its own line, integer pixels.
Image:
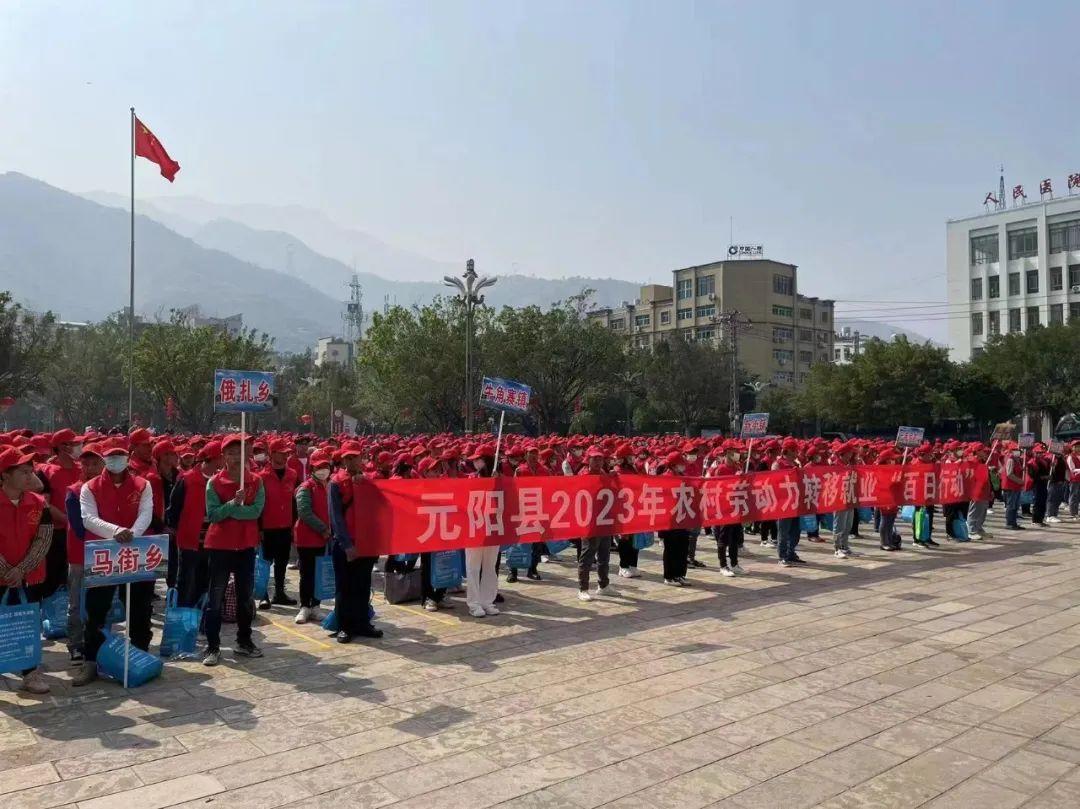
[
  {"x": 907, "y": 513},
  {"x": 826, "y": 521},
  {"x": 142, "y": 666},
  {"x": 1027, "y": 497},
  {"x": 447, "y": 569},
  {"x": 519, "y": 556},
  {"x": 644, "y": 540},
  {"x": 180, "y": 631},
  {"x": 960, "y": 529},
  {"x": 808, "y": 523},
  {"x": 54, "y": 615},
  {"x": 20, "y": 634},
  {"x": 557, "y": 547},
  {"x": 325, "y": 583},
  {"x": 866, "y": 514},
  {"x": 261, "y": 586}
]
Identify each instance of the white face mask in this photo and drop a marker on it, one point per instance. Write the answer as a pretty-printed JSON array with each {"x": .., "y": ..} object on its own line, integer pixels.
[
  {"x": 260, "y": 457},
  {"x": 691, "y": 457},
  {"x": 75, "y": 451},
  {"x": 116, "y": 463},
  {"x": 578, "y": 453},
  {"x": 321, "y": 474},
  {"x": 679, "y": 470},
  {"x": 479, "y": 465}
]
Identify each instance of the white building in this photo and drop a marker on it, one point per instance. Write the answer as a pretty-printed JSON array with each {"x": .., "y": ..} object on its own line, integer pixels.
[
  {"x": 193, "y": 318},
  {"x": 1011, "y": 269},
  {"x": 333, "y": 351},
  {"x": 847, "y": 345}
]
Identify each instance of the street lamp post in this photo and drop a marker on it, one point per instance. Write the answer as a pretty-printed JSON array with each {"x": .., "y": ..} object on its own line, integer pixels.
[{"x": 468, "y": 295}]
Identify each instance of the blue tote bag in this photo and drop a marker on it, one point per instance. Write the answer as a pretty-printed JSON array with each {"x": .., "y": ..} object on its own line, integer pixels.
[
  {"x": 325, "y": 583},
  {"x": 54, "y": 615},
  {"x": 180, "y": 631},
  {"x": 808, "y": 523},
  {"x": 142, "y": 666},
  {"x": 447, "y": 569},
  {"x": 262, "y": 577},
  {"x": 644, "y": 540},
  {"x": 907, "y": 514},
  {"x": 557, "y": 546},
  {"x": 520, "y": 555},
  {"x": 20, "y": 635}
]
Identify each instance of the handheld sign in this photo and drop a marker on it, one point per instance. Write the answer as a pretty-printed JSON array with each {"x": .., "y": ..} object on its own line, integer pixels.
[
  {"x": 1057, "y": 447},
  {"x": 1026, "y": 440},
  {"x": 754, "y": 425},
  {"x": 108, "y": 561},
  {"x": 910, "y": 437},
  {"x": 243, "y": 391},
  {"x": 505, "y": 394}
]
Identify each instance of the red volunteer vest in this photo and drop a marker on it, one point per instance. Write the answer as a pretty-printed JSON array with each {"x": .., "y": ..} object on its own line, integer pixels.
[
  {"x": 18, "y": 524},
  {"x": 60, "y": 478},
  {"x": 320, "y": 504},
  {"x": 278, "y": 511},
  {"x": 232, "y": 534},
  {"x": 117, "y": 504},
  {"x": 193, "y": 512}
]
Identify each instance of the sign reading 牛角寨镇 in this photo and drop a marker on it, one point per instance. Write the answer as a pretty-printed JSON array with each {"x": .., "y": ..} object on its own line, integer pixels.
[{"x": 505, "y": 394}]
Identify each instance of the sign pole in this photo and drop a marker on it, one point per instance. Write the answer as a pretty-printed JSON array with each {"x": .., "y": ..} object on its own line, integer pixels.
[
  {"x": 127, "y": 630},
  {"x": 749, "y": 446},
  {"x": 498, "y": 442},
  {"x": 243, "y": 460},
  {"x": 904, "y": 461}
]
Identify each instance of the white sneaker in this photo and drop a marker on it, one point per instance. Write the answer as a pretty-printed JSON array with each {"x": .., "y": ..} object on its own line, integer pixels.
[
  {"x": 477, "y": 612},
  {"x": 726, "y": 571},
  {"x": 303, "y": 616},
  {"x": 626, "y": 573},
  {"x": 584, "y": 595},
  {"x": 545, "y": 558},
  {"x": 430, "y": 605},
  {"x": 737, "y": 569},
  {"x": 839, "y": 554},
  {"x": 1053, "y": 520},
  {"x": 491, "y": 609},
  {"x": 975, "y": 537},
  {"x": 989, "y": 511},
  {"x": 674, "y": 582},
  {"x": 635, "y": 573},
  {"x": 607, "y": 592}
]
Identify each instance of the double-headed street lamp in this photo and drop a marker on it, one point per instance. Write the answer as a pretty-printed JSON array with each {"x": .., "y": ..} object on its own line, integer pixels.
[{"x": 467, "y": 294}]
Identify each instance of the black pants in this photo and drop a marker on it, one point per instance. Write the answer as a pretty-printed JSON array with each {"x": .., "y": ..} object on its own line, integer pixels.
[
  {"x": 951, "y": 512},
  {"x": 538, "y": 550},
  {"x": 98, "y": 603},
  {"x": 1038, "y": 508},
  {"x": 276, "y": 544},
  {"x": 676, "y": 545},
  {"x": 428, "y": 592},
  {"x": 728, "y": 540},
  {"x": 192, "y": 577},
  {"x": 172, "y": 569},
  {"x": 353, "y": 597},
  {"x": 628, "y": 554},
  {"x": 768, "y": 530},
  {"x": 10, "y": 595},
  {"x": 306, "y": 558},
  {"x": 56, "y": 563},
  {"x": 241, "y": 565}
]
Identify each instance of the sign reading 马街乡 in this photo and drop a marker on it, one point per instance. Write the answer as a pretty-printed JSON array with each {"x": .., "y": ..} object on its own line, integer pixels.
[
  {"x": 754, "y": 425},
  {"x": 1026, "y": 440},
  {"x": 109, "y": 561},
  {"x": 505, "y": 394},
  {"x": 745, "y": 251},
  {"x": 910, "y": 437},
  {"x": 243, "y": 391}
]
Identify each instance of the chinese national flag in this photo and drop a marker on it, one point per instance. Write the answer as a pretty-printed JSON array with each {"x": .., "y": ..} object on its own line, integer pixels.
[{"x": 147, "y": 145}]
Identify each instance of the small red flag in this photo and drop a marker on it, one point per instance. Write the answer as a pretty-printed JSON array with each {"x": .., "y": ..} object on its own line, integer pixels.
[{"x": 147, "y": 145}]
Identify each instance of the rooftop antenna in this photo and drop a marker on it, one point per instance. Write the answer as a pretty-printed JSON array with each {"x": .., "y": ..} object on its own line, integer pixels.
[
  {"x": 1001, "y": 190},
  {"x": 354, "y": 311}
]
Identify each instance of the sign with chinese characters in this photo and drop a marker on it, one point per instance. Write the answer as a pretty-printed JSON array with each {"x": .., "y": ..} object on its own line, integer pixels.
[
  {"x": 1057, "y": 447},
  {"x": 754, "y": 425},
  {"x": 1026, "y": 440},
  {"x": 109, "y": 561},
  {"x": 505, "y": 394},
  {"x": 243, "y": 391},
  {"x": 745, "y": 251},
  {"x": 910, "y": 436}
]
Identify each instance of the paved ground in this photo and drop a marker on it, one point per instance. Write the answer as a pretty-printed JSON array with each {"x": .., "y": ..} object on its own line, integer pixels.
[{"x": 946, "y": 678}]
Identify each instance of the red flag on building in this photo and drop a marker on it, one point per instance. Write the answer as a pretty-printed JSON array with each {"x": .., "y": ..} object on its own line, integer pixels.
[{"x": 147, "y": 145}]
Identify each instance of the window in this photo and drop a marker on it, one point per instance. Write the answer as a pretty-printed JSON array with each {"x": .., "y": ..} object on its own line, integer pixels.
[
  {"x": 1014, "y": 320},
  {"x": 1074, "y": 311},
  {"x": 783, "y": 377},
  {"x": 802, "y": 378},
  {"x": 684, "y": 288},
  {"x": 706, "y": 285},
  {"x": 1023, "y": 243},
  {"x": 1055, "y": 279},
  {"x": 1032, "y": 316},
  {"x": 618, "y": 324},
  {"x": 836, "y": 354},
  {"x": 782, "y": 311},
  {"x": 976, "y": 289},
  {"x": 1032, "y": 284},
  {"x": 781, "y": 334},
  {"x": 706, "y": 311},
  {"x": 1057, "y": 314},
  {"x": 685, "y": 314},
  {"x": 784, "y": 356},
  {"x": 995, "y": 322},
  {"x": 824, "y": 317},
  {"x": 641, "y": 340},
  {"x": 806, "y": 356},
  {"x": 783, "y": 284},
  {"x": 976, "y": 323},
  {"x": 984, "y": 249},
  {"x": 806, "y": 314},
  {"x": 806, "y": 335},
  {"x": 978, "y": 351},
  {"x": 847, "y": 353},
  {"x": 993, "y": 285},
  {"x": 1065, "y": 236},
  {"x": 1074, "y": 275},
  {"x": 706, "y": 333},
  {"x": 641, "y": 320},
  {"x": 1014, "y": 283},
  {"x": 665, "y": 318}
]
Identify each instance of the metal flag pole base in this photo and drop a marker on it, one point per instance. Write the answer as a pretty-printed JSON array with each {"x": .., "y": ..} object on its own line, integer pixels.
[
  {"x": 127, "y": 631},
  {"x": 498, "y": 443}
]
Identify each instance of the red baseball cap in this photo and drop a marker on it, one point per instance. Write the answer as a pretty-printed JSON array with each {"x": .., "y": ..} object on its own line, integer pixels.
[{"x": 12, "y": 457}]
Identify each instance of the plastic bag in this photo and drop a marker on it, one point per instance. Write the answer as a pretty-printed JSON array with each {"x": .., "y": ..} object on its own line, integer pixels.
[
  {"x": 519, "y": 556},
  {"x": 54, "y": 618},
  {"x": 447, "y": 569},
  {"x": 20, "y": 635},
  {"x": 261, "y": 586},
  {"x": 142, "y": 666},
  {"x": 644, "y": 540},
  {"x": 325, "y": 583},
  {"x": 180, "y": 631}
]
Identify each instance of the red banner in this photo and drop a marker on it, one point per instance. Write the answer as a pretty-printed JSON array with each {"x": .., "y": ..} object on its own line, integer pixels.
[{"x": 410, "y": 516}]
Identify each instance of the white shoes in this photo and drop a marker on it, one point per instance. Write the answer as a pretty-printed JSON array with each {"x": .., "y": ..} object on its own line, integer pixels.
[
  {"x": 727, "y": 571},
  {"x": 1053, "y": 520},
  {"x": 974, "y": 536},
  {"x": 477, "y": 612},
  {"x": 607, "y": 592},
  {"x": 545, "y": 558},
  {"x": 737, "y": 569},
  {"x": 629, "y": 572},
  {"x": 303, "y": 616},
  {"x": 584, "y": 595},
  {"x": 674, "y": 582},
  {"x": 431, "y": 605},
  {"x": 491, "y": 609}
]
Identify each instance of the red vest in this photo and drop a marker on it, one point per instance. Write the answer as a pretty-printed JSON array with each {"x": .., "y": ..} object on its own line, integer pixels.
[
  {"x": 278, "y": 511},
  {"x": 320, "y": 504},
  {"x": 117, "y": 504},
  {"x": 232, "y": 534},
  {"x": 140, "y": 467},
  {"x": 193, "y": 512},
  {"x": 18, "y": 524},
  {"x": 60, "y": 478}
]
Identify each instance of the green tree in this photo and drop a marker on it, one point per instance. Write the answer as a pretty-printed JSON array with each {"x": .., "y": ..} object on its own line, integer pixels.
[
  {"x": 689, "y": 382},
  {"x": 28, "y": 345},
  {"x": 172, "y": 360},
  {"x": 1038, "y": 369}
]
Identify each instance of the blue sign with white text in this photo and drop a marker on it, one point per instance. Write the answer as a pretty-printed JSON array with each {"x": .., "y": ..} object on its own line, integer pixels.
[
  {"x": 243, "y": 391},
  {"x": 109, "y": 561},
  {"x": 505, "y": 394}
]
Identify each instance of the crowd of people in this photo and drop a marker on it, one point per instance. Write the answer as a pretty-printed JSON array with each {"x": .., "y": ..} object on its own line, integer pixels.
[{"x": 224, "y": 498}]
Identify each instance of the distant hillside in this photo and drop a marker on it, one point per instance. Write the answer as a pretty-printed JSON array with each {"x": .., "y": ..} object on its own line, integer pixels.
[{"x": 881, "y": 330}]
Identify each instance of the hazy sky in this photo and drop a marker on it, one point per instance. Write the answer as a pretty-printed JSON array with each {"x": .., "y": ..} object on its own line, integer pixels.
[{"x": 596, "y": 138}]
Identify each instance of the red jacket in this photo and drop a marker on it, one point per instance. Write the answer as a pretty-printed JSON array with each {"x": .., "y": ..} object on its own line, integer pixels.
[
  {"x": 232, "y": 534},
  {"x": 306, "y": 536},
  {"x": 278, "y": 511},
  {"x": 60, "y": 478},
  {"x": 189, "y": 526},
  {"x": 117, "y": 504},
  {"x": 18, "y": 525}
]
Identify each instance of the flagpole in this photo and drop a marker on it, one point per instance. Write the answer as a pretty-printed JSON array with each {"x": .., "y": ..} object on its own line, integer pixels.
[{"x": 131, "y": 288}]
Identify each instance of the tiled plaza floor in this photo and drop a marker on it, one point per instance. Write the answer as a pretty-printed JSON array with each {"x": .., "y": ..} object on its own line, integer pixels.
[{"x": 936, "y": 678}]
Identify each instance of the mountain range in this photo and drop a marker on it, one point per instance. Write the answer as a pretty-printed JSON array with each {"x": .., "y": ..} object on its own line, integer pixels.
[{"x": 280, "y": 266}]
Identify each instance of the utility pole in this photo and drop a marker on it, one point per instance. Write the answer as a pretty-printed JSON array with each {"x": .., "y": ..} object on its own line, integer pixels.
[{"x": 735, "y": 323}]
